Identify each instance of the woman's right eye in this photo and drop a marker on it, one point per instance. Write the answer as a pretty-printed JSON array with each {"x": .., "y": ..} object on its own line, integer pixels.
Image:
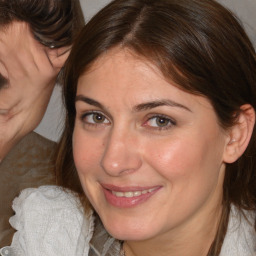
[{"x": 94, "y": 118}]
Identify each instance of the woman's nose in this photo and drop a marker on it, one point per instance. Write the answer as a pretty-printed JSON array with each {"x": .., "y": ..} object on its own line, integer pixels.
[{"x": 122, "y": 154}]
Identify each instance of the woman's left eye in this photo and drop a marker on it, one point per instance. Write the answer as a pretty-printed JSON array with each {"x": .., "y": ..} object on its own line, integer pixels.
[{"x": 160, "y": 122}]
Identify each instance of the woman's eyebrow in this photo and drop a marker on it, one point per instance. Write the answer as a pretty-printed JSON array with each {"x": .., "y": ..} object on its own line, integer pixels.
[
  {"x": 92, "y": 103},
  {"x": 139, "y": 107},
  {"x": 158, "y": 103},
  {"x": 89, "y": 101}
]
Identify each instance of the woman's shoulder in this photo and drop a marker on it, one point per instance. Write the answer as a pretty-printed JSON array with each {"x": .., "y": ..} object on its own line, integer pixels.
[{"x": 50, "y": 221}]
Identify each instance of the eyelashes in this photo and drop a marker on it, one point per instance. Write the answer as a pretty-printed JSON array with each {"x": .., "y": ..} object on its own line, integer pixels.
[{"x": 154, "y": 121}]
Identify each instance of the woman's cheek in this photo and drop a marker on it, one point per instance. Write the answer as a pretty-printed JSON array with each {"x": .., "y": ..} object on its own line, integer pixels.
[
  {"x": 86, "y": 151},
  {"x": 169, "y": 158}
]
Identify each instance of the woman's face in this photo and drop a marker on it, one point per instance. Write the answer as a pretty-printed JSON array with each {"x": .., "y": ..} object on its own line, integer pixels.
[{"x": 149, "y": 155}]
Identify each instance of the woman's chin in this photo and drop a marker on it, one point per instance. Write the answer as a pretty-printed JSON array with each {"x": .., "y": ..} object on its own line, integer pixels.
[{"x": 128, "y": 233}]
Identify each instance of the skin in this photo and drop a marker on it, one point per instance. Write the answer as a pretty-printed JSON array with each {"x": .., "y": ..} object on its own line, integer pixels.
[
  {"x": 28, "y": 74},
  {"x": 124, "y": 144}
]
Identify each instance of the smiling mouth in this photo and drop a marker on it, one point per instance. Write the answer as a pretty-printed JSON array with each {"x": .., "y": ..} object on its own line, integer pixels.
[
  {"x": 132, "y": 193},
  {"x": 128, "y": 197}
]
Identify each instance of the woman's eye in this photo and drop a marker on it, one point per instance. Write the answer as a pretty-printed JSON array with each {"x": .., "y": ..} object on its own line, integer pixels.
[
  {"x": 94, "y": 118},
  {"x": 160, "y": 122}
]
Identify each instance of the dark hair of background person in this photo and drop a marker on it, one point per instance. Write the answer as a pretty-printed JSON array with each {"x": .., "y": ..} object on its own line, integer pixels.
[
  {"x": 53, "y": 22},
  {"x": 197, "y": 44}
]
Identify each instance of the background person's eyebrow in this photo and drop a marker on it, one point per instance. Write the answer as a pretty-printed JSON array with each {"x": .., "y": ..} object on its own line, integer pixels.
[
  {"x": 3, "y": 82},
  {"x": 158, "y": 103},
  {"x": 88, "y": 101}
]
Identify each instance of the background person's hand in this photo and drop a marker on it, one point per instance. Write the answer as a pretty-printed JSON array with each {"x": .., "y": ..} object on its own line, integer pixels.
[{"x": 29, "y": 72}]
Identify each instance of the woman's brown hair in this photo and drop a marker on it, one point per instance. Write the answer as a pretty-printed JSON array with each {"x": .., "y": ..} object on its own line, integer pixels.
[
  {"x": 199, "y": 45},
  {"x": 54, "y": 23}
]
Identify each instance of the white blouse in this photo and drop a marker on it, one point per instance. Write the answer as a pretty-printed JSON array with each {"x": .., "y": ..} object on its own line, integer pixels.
[{"x": 49, "y": 222}]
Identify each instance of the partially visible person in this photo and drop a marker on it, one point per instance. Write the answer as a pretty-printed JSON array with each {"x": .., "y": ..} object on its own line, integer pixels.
[
  {"x": 35, "y": 40},
  {"x": 159, "y": 141}
]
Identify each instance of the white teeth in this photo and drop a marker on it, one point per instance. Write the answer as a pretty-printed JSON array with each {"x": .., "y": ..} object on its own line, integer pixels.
[
  {"x": 119, "y": 194},
  {"x": 132, "y": 193},
  {"x": 128, "y": 194},
  {"x": 137, "y": 193}
]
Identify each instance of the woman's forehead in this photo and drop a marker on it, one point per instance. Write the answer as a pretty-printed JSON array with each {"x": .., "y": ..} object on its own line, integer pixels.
[{"x": 119, "y": 75}]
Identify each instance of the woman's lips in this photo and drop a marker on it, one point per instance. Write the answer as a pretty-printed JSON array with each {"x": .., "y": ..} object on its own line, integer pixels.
[{"x": 126, "y": 197}]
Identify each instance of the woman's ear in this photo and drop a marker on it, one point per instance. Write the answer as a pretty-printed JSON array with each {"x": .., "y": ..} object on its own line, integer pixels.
[{"x": 240, "y": 134}]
